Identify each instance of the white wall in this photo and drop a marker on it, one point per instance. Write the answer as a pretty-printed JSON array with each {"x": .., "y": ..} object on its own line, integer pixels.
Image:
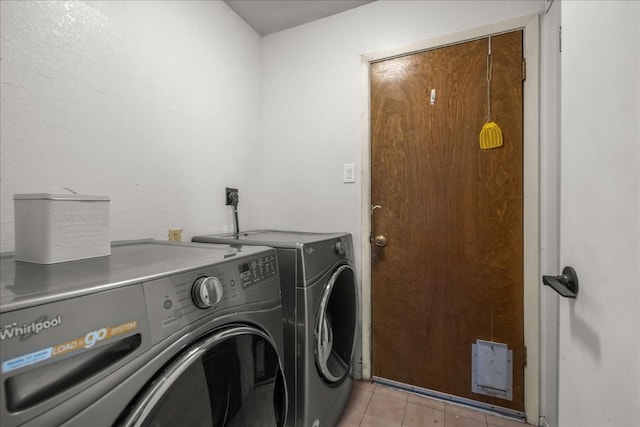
[
  {"x": 599, "y": 383},
  {"x": 156, "y": 104}
]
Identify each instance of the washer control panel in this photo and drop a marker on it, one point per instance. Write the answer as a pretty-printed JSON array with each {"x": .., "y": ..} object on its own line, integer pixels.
[{"x": 176, "y": 301}]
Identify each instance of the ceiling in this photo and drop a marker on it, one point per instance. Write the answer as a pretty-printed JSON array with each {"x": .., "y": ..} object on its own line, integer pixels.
[{"x": 270, "y": 16}]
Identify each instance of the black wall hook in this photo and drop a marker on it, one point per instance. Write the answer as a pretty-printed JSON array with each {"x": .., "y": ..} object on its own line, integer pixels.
[{"x": 565, "y": 284}]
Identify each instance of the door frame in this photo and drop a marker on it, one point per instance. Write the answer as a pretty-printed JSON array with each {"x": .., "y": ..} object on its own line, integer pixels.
[{"x": 531, "y": 206}]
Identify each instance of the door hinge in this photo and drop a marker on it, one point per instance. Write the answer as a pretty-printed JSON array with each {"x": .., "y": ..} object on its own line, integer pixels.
[
  {"x": 524, "y": 355},
  {"x": 560, "y": 39},
  {"x": 524, "y": 69}
]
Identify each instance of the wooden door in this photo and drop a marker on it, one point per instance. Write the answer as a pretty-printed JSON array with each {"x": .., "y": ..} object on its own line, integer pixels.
[{"x": 452, "y": 269}]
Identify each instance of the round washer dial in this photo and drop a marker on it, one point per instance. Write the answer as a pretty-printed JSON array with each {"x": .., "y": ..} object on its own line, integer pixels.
[{"x": 206, "y": 291}]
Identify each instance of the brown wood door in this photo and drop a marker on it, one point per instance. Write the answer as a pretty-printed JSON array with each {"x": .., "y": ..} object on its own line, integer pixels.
[{"x": 452, "y": 269}]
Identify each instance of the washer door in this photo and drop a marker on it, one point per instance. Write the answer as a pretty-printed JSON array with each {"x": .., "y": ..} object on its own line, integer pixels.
[
  {"x": 335, "y": 329},
  {"x": 232, "y": 377}
]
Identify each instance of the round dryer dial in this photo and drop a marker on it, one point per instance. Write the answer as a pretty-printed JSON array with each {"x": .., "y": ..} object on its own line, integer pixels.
[{"x": 206, "y": 291}]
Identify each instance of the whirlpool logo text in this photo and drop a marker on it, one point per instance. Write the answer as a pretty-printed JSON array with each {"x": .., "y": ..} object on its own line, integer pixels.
[{"x": 26, "y": 331}]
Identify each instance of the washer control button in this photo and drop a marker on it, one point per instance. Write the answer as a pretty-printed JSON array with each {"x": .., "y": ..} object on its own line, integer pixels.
[
  {"x": 206, "y": 291},
  {"x": 167, "y": 304},
  {"x": 339, "y": 248}
]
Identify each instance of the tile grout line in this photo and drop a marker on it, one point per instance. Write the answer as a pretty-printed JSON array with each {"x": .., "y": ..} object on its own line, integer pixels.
[
  {"x": 404, "y": 414},
  {"x": 486, "y": 422},
  {"x": 367, "y": 407},
  {"x": 406, "y": 404}
]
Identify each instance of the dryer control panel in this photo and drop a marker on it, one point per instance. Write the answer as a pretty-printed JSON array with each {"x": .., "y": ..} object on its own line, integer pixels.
[
  {"x": 257, "y": 270},
  {"x": 177, "y": 301}
]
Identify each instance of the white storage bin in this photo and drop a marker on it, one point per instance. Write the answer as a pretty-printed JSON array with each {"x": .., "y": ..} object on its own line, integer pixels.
[{"x": 53, "y": 228}]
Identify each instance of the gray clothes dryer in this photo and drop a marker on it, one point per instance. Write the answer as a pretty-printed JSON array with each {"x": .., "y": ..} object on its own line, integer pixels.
[
  {"x": 154, "y": 334},
  {"x": 320, "y": 304}
]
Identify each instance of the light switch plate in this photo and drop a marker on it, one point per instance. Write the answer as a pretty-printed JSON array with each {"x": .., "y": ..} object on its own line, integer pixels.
[{"x": 349, "y": 175}]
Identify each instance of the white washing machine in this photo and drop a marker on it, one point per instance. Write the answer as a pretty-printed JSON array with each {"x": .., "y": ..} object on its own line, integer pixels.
[
  {"x": 320, "y": 304},
  {"x": 154, "y": 334}
]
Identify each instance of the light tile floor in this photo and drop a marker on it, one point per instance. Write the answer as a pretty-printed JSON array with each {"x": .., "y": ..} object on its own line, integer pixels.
[{"x": 374, "y": 405}]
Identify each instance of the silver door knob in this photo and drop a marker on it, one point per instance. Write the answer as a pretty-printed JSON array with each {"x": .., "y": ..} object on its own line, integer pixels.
[{"x": 380, "y": 241}]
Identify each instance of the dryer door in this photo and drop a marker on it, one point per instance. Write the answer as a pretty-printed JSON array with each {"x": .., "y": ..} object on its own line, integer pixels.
[
  {"x": 335, "y": 329},
  {"x": 232, "y": 377}
]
